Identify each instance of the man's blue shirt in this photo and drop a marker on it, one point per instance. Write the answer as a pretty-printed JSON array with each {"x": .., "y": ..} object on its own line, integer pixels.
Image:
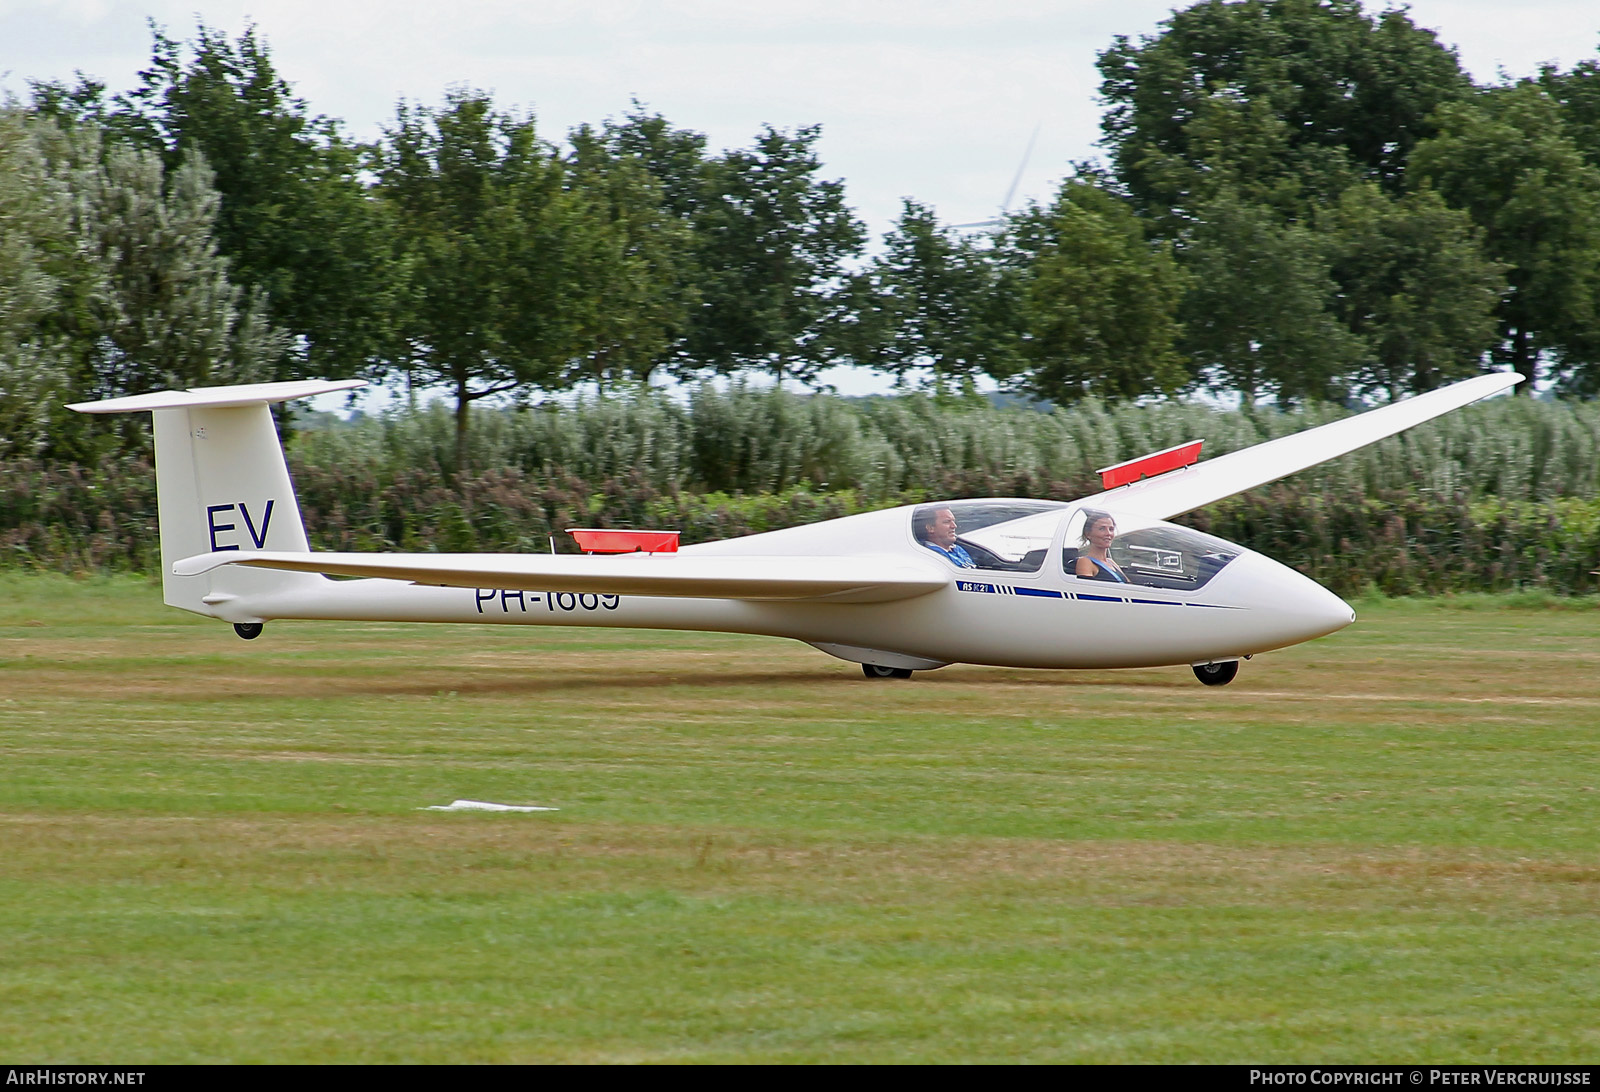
[{"x": 955, "y": 555}]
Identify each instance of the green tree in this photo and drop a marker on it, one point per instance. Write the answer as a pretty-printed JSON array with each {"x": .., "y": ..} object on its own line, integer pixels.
[
  {"x": 35, "y": 209},
  {"x": 166, "y": 313},
  {"x": 1507, "y": 159},
  {"x": 296, "y": 218},
  {"x": 1256, "y": 317},
  {"x": 774, "y": 242},
  {"x": 493, "y": 242},
  {"x": 1098, "y": 300},
  {"x": 632, "y": 261},
  {"x": 139, "y": 298},
  {"x": 1298, "y": 97},
  {"x": 770, "y": 247},
  {"x": 1578, "y": 92},
  {"x": 1414, "y": 286},
  {"x": 676, "y": 160},
  {"x": 933, "y": 305}
]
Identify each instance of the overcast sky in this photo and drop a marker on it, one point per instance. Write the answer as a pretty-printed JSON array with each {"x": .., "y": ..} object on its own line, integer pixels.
[{"x": 934, "y": 99}]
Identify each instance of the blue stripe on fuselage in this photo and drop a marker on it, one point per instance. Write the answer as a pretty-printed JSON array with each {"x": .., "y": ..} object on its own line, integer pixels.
[{"x": 1046, "y": 593}]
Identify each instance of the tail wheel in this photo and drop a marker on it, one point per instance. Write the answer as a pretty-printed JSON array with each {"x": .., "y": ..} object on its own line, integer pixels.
[
  {"x": 1218, "y": 674},
  {"x": 875, "y": 671},
  {"x": 248, "y": 630}
]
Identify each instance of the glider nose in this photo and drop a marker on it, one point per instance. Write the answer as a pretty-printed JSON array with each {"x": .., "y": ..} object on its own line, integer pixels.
[{"x": 1291, "y": 607}]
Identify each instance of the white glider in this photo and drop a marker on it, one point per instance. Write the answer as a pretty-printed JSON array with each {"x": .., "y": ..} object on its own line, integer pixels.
[{"x": 875, "y": 589}]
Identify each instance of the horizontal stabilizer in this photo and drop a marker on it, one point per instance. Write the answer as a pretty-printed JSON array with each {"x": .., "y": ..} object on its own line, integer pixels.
[
  {"x": 246, "y": 394},
  {"x": 1181, "y": 491},
  {"x": 839, "y": 580}
]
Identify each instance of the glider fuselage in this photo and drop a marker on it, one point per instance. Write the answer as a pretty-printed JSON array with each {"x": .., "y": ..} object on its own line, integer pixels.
[{"x": 1042, "y": 616}]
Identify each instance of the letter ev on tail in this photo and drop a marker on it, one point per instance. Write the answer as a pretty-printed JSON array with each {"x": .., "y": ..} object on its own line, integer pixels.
[{"x": 1096, "y": 583}]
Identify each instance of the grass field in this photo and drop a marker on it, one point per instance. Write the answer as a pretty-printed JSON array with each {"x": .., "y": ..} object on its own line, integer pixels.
[{"x": 1381, "y": 846}]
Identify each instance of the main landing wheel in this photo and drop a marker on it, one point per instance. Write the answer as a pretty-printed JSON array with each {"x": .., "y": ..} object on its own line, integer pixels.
[
  {"x": 1220, "y": 674},
  {"x": 873, "y": 671},
  {"x": 248, "y": 630}
]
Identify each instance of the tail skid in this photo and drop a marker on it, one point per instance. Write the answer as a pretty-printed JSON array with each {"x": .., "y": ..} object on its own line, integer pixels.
[{"x": 222, "y": 484}]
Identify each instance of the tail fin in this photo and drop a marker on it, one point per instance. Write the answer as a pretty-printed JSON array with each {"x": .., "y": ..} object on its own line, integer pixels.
[{"x": 222, "y": 484}]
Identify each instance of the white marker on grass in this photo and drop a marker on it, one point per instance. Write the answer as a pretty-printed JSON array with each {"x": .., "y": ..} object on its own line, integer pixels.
[{"x": 482, "y": 805}]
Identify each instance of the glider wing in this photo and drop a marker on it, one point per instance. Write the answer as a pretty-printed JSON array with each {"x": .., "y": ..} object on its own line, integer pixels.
[
  {"x": 1185, "y": 490},
  {"x": 835, "y": 579}
]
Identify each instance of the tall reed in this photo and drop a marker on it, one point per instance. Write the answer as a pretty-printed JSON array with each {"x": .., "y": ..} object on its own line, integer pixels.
[{"x": 1500, "y": 495}]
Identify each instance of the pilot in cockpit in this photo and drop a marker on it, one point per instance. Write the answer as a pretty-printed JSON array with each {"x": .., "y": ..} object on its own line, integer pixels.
[
  {"x": 935, "y": 528},
  {"x": 1094, "y": 559}
]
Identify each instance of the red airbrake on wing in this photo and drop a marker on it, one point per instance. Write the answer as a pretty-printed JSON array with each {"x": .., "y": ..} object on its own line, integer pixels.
[
  {"x": 595, "y": 540},
  {"x": 1148, "y": 466}
]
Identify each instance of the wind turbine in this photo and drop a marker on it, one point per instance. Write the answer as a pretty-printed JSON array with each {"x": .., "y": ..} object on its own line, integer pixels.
[{"x": 1011, "y": 193}]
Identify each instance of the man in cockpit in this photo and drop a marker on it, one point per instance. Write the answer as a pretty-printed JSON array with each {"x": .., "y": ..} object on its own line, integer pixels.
[{"x": 935, "y": 528}]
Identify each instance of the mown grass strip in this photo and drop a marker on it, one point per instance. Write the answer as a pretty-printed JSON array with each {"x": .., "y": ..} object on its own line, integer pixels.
[{"x": 1376, "y": 847}]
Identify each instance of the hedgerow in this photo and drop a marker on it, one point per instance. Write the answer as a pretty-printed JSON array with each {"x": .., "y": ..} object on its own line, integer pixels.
[{"x": 1500, "y": 496}]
